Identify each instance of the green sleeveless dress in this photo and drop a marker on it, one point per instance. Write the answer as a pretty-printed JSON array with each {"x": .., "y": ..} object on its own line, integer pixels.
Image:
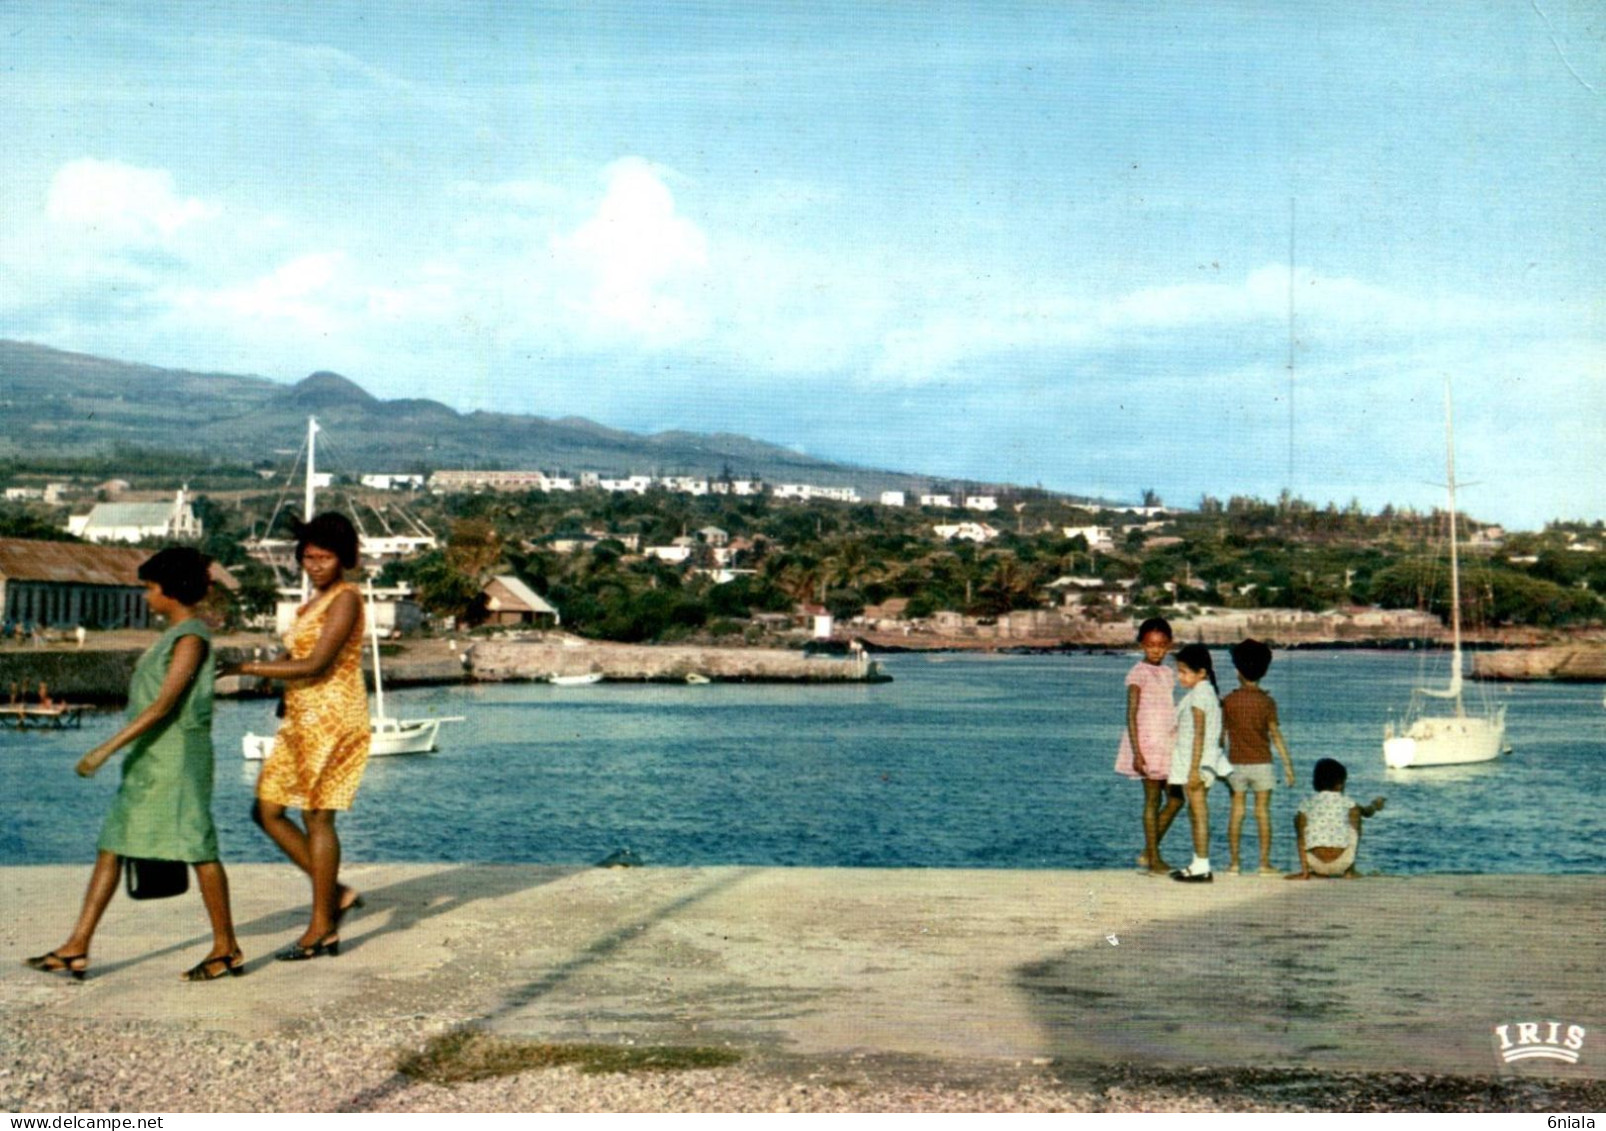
[{"x": 163, "y": 809}]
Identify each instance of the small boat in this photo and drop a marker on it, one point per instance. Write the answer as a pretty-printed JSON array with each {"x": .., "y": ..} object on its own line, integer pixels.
[
  {"x": 697, "y": 679},
  {"x": 1453, "y": 735},
  {"x": 57, "y": 716},
  {"x": 575, "y": 680}
]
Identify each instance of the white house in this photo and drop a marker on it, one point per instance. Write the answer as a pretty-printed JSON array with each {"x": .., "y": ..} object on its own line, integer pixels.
[
  {"x": 981, "y": 502},
  {"x": 892, "y": 498},
  {"x": 966, "y": 531},
  {"x": 674, "y": 555},
  {"x": 387, "y": 482},
  {"x": 1098, "y": 537},
  {"x": 936, "y": 500},
  {"x": 134, "y": 522}
]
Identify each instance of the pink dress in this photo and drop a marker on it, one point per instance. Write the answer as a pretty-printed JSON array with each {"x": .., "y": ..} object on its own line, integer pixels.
[{"x": 1157, "y": 722}]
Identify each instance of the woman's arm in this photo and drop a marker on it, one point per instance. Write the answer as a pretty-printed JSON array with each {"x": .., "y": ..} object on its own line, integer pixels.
[
  {"x": 344, "y": 612},
  {"x": 1134, "y": 695},
  {"x": 189, "y": 653}
]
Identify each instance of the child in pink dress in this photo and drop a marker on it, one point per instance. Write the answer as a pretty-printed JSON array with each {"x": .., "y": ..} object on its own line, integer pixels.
[{"x": 1151, "y": 728}]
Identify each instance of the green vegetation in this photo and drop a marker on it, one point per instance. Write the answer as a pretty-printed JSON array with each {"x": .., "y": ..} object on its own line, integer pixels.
[
  {"x": 586, "y": 552},
  {"x": 465, "y": 1055}
]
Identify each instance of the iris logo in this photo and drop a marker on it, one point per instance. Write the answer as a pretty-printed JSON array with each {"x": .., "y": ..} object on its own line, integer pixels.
[{"x": 1540, "y": 1040}]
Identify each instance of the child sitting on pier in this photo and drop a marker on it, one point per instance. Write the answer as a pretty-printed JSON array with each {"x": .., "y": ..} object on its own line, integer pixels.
[{"x": 1328, "y": 825}]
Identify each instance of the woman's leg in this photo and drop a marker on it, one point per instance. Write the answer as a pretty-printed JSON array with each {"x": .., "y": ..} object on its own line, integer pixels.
[
  {"x": 102, "y": 886},
  {"x": 274, "y": 820},
  {"x": 214, "y": 884},
  {"x": 323, "y": 848},
  {"x": 297, "y": 845}
]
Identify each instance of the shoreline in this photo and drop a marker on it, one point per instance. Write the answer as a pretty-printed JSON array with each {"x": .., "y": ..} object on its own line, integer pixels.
[
  {"x": 98, "y": 675},
  {"x": 838, "y": 989}
]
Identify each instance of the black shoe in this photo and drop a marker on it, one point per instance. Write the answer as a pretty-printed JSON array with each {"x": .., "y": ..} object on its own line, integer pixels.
[
  {"x": 295, "y": 952},
  {"x": 1182, "y": 876},
  {"x": 75, "y": 966},
  {"x": 211, "y": 969}
]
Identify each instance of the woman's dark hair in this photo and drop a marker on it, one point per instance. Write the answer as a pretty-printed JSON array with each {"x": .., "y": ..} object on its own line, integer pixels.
[
  {"x": 182, "y": 572},
  {"x": 1155, "y": 624},
  {"x": 1328, "y": 774},
  {"x": 329, "y": 531},
  {"x": 1197, "y": 657},
  {"x": 1252, "y": 659}
]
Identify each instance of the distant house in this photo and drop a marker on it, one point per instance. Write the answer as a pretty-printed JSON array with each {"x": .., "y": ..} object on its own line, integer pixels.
[
  {"x": 382, "y": 482},
  {"x": 936, "y": 500},
  {"x": 135, "y": 522},
  {"x": 965, "y": 531},
  {"x": 892, "y": 498},
  {"x": 506, "y": 600},
  {"x": 981, "y": 502},
  {"x": 63, "y": 584},
  {"x": 714, "y": 536},
  {"x": 673, "y": 554},
  {"x": 1098, "y": 537}
]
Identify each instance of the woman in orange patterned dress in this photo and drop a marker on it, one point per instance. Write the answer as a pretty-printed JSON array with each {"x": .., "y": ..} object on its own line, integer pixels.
[{"x": 322, "y": 744}]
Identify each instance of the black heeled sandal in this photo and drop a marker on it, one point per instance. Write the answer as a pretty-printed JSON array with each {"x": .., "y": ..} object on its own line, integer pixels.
[
  {"x": 295, "y": 952},
  {"x": 75, "y": 966},
  {"x": 210, "y": 969}
]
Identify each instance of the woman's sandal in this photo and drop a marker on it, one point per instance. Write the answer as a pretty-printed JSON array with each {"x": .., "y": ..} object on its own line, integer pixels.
[
  {"x": 295, "y": 952},
  {"x": 210, "y": 969},
  {"x": 75, "y": 966}
]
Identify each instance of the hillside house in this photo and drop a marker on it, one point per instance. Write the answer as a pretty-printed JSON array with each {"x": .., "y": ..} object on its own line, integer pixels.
[
  {"x": 965, "y": 531},
  {"x": 981, "y": 502},
  {"x": 892, "y": 498},
  {"x": 507, "y": 600}
]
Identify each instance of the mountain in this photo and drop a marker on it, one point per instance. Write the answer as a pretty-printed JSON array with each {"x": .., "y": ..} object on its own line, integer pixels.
[{"x": 67, "y": 404}]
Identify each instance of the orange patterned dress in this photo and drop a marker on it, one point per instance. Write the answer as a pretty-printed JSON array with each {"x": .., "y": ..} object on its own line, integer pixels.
[{"x": 322, "y": 745}]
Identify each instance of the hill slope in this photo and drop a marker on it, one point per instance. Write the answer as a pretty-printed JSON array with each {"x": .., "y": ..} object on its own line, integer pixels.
[{"x": 66, "y": 404}]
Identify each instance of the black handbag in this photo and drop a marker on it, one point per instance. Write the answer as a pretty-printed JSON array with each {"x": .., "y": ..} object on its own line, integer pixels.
[{"x": 156, "y": 879}]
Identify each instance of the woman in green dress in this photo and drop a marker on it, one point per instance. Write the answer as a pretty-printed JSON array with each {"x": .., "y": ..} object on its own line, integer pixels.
[{"x": 163, "y": 809}]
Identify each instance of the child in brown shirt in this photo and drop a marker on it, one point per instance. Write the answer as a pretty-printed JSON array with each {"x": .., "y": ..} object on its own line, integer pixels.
[{"x": 1249, "y": 721}]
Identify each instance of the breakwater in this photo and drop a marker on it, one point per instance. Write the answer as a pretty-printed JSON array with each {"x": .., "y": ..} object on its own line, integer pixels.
[
  {"x": 499, "y": 661},
  {"x": 1580, "y": 663}
]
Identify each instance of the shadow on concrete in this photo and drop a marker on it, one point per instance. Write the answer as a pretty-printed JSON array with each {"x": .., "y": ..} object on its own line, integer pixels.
[
  {"x": 401, "y": 906},
  {"x": 1309, "y": 986}
]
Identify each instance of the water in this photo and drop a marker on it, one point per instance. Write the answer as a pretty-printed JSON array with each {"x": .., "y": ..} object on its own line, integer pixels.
[{"x": 962, "y": 761}]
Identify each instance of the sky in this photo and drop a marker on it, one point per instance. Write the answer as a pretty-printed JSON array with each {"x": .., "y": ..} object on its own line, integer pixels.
[{"x": 1200, "y": 248}]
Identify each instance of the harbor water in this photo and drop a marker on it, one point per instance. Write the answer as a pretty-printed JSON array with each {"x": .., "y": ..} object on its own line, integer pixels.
[{"x": 963, "y": 761}]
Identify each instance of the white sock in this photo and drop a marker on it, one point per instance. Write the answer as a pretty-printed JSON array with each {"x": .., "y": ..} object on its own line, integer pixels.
[{"x": 1200, "y": 865}]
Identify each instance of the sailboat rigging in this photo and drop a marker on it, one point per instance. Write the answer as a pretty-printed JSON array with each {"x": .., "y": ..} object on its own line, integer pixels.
[{"x": 1452, "y": 735}]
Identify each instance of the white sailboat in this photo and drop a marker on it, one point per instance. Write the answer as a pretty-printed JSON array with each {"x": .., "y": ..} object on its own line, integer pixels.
[
  {"x": 1451, "y": 734},
  {"x": 388, "y": 735}
]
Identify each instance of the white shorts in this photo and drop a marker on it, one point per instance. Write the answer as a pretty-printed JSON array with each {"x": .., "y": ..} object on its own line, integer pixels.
[{"x": 1253, "y": 776}]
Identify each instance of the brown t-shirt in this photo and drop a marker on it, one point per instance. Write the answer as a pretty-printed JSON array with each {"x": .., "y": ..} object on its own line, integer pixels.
[{"x": 1246, "y": 717}]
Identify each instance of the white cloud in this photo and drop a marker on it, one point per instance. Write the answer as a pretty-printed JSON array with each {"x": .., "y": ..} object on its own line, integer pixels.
[
  {"x": 638, "y": 259},
  {"x": 122, "y": 202}
]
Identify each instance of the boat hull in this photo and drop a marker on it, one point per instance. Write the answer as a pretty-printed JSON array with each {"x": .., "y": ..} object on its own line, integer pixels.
[
  {"x": 1447, "y": 741},
  {"x": 408, "y": 736}
]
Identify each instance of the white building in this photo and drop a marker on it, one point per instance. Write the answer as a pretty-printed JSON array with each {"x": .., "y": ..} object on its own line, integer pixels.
[
  {"x": 134, "y": 522},
  {"x": 965, "y": 531},
  {"x": 892, "y": 498},
  {"x": 383, "y": 482},
  {"x": 981, "y": 502},
  {"x": 674, "y": 555},
  {"x": 1098, "y": 537},
  {"x": 936, "y": 500}
]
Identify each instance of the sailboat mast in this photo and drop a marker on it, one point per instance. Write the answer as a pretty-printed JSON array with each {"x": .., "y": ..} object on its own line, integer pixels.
[
  {"x": 1455, "y": 554},
  {"x": 309, "y": 496}
]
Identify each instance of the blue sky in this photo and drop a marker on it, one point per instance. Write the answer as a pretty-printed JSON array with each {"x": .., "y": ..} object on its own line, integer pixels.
[{"x": 1035, "y": 242}]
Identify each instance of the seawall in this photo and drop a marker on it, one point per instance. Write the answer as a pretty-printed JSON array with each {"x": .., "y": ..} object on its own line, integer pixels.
[
  {"x": 499, "y": 661},
  {"x": 1580, "y": 663}
]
